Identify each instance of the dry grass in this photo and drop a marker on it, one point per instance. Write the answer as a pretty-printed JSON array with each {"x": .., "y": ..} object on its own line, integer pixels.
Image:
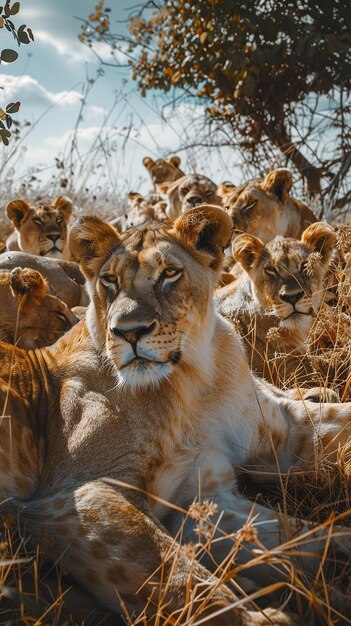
[{"x": 34, "y": 591}]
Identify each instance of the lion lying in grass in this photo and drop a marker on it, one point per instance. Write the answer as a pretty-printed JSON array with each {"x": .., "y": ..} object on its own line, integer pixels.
[
  {"x": 275, "y": 301},
  {"x": 148, "y": 400},
  {"x": 31, "y": 317}
]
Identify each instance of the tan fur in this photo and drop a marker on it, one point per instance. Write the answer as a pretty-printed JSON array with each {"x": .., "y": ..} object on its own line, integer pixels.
[
  {"x": 188, "y": 192},
  {"x": 154, "y": 390},
  {"x": 265, "y": 208},
  {"x": 143, "y": 209},
  {"x": 163, "y": 170},
  {"x": 31, "y": 316},
  {"x": 64, "y": 277},
  {"x": 40, "y": 229},
  {"x": 277, "y": 291}
]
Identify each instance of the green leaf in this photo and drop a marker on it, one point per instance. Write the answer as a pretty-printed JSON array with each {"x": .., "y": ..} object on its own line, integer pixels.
[
  {"x": 15, "y": 8},
  {"x": 8, "y": 55},
  {"x": 8, "y": 121},
  {"x": 13, "y": 107},
  {"x": 30, "y": 33}
]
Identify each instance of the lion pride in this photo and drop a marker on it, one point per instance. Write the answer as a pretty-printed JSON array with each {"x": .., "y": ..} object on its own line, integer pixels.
[{"x": 146, "y": 401}]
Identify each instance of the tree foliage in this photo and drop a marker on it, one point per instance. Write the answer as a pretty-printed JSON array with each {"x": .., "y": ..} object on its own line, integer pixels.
[
  {"x": 22, "y": 35},
  {"x": 261, "y": 67}
]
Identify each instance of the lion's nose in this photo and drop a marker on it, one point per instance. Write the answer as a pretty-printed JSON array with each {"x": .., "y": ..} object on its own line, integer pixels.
[
  {"x": 291, "y": 298},
  {"x": 133, "y": 335},
  {"x": 53, "y": 237},
  {"x": 194, "y": 200}
]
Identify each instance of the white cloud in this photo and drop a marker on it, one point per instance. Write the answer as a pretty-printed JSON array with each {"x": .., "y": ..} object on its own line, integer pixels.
[{"x": 30, "y": 92}]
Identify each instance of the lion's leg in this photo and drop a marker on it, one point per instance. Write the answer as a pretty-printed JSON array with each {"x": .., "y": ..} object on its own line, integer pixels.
[
  {"x": 111, "y": 545},
  {"x": 262, "y": 543}
]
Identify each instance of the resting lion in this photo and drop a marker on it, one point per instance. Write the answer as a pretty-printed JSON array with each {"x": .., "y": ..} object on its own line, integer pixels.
[
  {"x": 153, "y": 391},
  {"x": 163, "y": 170},
  {"x": 187, "y": 192},
  {"x": 265, "y": 208},
  {"x": 31, "y": 316},
  {"x": 275, "y": 300},
  {"x": 64, "y": 277},
  {"x": 40, "y": 229}
]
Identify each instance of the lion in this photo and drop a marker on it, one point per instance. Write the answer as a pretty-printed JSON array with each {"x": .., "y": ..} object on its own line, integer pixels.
[
  {"x": 64, "y": 277},
  {"x": 40, "y": 229},
  {"x": 143, "y": 209},
  {"x": 148, "y": 400},
  {"x": 32, "y": 317},
  {"x": 187, "y": 192},
  {"x": 265, "y": 208},
  {"x": 163, "y": 170},
  {"x": 275, "y": 300}
]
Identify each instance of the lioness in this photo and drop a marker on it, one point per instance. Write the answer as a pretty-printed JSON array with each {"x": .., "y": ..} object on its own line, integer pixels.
[
  {"x": 153, "y": 390},
  {"x": 40, "y": 229},
  {"x": 281, "y": 288},
  {"x": 163, "y": 170},
  {"x": 31, "y": 316},
  {"x": 187, "y": 192},
  {"x": 64, "y": 277},
  {"x": 264, "y": 207}
]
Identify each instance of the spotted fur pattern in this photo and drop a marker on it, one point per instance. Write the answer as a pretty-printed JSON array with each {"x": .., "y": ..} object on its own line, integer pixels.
[{"x": 153, "y": 390}]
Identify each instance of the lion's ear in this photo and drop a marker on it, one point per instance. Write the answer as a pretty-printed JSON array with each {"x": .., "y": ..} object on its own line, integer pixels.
[
  {"x": 91, "y": 241},
  {"x": 206, "y": 229},
  {"x": 174, "y": 160},
  {"x": 320, "y": 237},
  {"x": 148, "y": 162},
  {"x": 64, "y": 205},
  {"x": 224, "y": 188},
  {"x": 134, "y": 196},
  {"x": 246, "y": 250},
  {"x": 278, "y": 182},
  {"x": 28, "y": 284},
  {"x": 18, "y": 211}
]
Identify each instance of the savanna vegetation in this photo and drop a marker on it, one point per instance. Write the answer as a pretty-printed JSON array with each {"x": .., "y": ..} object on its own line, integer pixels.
[{"x": 273, "y": 80}]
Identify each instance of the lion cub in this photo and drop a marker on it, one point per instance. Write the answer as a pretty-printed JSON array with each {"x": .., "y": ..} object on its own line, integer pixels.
[
  {"x": 41, "y": 229},
  {"x": 275, "y": 300}
]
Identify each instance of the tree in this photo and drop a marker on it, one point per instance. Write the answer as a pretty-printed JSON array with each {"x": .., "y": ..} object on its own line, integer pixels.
[
  {"x": 264, "y": 69},
  {"x": 22, "y": 35}
]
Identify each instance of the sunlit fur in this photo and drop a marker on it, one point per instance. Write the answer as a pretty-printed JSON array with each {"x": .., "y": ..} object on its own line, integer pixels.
[
  {"x": 273, "y": 273},
  {"x": 187, "y": 192},
  {"x": 181, "y": 333},
  {"x": 32, "y": 317},
  {"x": 93, "y": 462},
  {"x": 40, "y": 229},
  {"x": 163, "y": 170},
  {"x": 265, "y": 208}
]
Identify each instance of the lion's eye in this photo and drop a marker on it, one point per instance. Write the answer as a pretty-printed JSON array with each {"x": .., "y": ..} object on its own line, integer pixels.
[
  {"x": 270, "y": 270},
  {"x": 109, "y": 280},
  {"x": 249, "y": 206},
  {"x": 38, "y": 221},
  {"x": 171, "y": 274}
]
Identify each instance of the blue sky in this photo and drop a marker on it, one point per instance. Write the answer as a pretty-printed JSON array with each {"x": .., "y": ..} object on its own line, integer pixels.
[{"x": 49, "y": 78}]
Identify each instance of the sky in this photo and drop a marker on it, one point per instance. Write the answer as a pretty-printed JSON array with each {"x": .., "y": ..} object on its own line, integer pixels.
[{"x": 117, "y": 127}]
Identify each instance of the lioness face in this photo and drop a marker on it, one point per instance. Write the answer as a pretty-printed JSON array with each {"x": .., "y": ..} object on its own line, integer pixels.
[
  {"x": 163, "y": 170},
  {"x": 259, "y": 206},
  {"x": 33, "y": 317},
  {"x": 286, "y": 280},
  {"x": 151, "y": 291},
  {"x": 42, "y": 230}
]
